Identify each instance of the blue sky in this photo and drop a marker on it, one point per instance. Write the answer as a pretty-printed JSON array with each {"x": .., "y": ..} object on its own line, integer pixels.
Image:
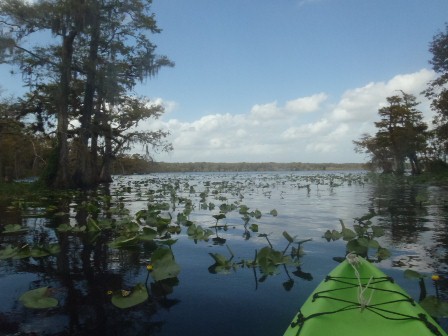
[{"x": 285, "y": 80}]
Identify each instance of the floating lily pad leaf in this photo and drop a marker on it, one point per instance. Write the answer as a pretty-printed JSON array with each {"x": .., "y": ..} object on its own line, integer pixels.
[
  {"x": 38, "y": 252},
  {"x": 363, "y": 242},
  {"x": 374, "y": 243},
  {"x": 411, "y": 274},
  {"x": 359, "y": 230},
  {"x": 253, "y": 227},
  {"x": 435, "y": 307},
  {"x": 348, "y": 234},
  {"x": 23, "y": 252},
  {"x": 148, "y": 234},
  {"x": 164, "y": 265},
  {"x": 8, "y": 252},
  {"x": 355, "y": 247},
  {"x": 268, "y": 259},
  {"x": 43, "y": 251},
  {"x": 196, "y": 232},
  {"x": 377, "y": 231},
  {"x": 169, "y": 242},
  {"x": 92, "y": 226},
  {"x": 125, "y": 299},
  {"x": 222, "y": 265},
  {"x": 243, "y": 209},
  {"x": 68, "y": 228},
  {"x": 327, "y": 235},
  {"x": 219, "y": 259},
  {"x": 105, "y": 223},
  {"x": 274, "y": 212},
  {"x": 383, "y": 253},
  {"x": 124, "y": 241},
  {"x": 14, "y": 229},
  {"x": 335, "y": 235},
  {"x": 257, "y": 214},
  {"x": 38, "y": 299},
  {"x": 220, "y": 216}
]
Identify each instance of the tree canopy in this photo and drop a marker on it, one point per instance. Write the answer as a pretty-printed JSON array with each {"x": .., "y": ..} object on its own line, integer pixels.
[{"x": 81, "y": 62}]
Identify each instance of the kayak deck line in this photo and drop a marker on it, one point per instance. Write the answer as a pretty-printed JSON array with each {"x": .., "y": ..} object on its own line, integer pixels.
[{"x": 360, "y": 301}]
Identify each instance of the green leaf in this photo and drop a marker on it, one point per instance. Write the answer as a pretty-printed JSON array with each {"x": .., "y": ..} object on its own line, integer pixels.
[
  {"x": 220, "y": 216},
  {"x": 335, "y": 235},
  {"x": 363, "y": 242},
  {"x": 253, "y": 227},
  {"x": 348, "y": 234},
  {"x": 92, "y": 226},
  {"x": 327, "y": 235},
  {"x": 164, "y": 265},
  {"x": 354, "y": 246},
  {"x": 377, "y": 231},
  {"x": 126, "y": 299},
  {"x": 374, "y": 243},
  {"x": 219, "y": 259},
  {"x": 14, "y": 229},
  {"x": 148, "y": 234},
  {"x": 274, "y": 212},
  {"x": 288, "y": 237},
  {"x": 383, "y": 253},
  {"x": 359, "y": 230},
  {"x": 8, "y": 252},
  {"x": 435, "y": 307},
  {"x": 124, "y": 241},
  {"x": 38, "y": 299}
]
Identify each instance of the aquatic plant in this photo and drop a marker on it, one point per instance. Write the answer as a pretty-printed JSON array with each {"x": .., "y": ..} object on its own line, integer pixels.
[
  {"x": 362, "y": 238},
  {"x": 38, "y": 298}
]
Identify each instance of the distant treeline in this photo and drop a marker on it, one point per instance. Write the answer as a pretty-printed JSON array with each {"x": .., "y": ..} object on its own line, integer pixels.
[{"x": 122, "y": 167}]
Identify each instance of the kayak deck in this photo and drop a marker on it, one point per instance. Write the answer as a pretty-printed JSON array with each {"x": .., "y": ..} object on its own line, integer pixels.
[{"x": 359, "y": 299}]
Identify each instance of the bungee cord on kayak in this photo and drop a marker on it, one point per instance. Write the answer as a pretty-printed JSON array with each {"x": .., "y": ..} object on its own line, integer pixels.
[
  {"x": 354, "y": 261},
  {"x": 386, "y": 306}
]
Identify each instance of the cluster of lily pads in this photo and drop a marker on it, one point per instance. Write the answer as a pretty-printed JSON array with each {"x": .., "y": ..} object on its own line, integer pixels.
[
  {"x": 167, "y": 214},
  {"x": 168, "y": 206},
  {"x": 362, "y": 238}
]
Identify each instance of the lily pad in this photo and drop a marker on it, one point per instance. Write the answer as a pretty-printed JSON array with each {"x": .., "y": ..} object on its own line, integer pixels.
[
  {"x": 164, "y": 265},
  {"x": 148, "y": 234},
  {"x": 435, "y": 307},
  {"x": 125, "y": 299},
  {"x": 14, "y": 229},
  {"x": 8, "y": 252},
  {"x": 124, "y": 241},
  {"x": 38, "y": 299}
]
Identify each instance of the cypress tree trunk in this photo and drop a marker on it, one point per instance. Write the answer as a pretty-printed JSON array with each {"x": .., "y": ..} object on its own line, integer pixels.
[
  {"x": 85, "y": 174},
  {"x": 60, "y": 177}
]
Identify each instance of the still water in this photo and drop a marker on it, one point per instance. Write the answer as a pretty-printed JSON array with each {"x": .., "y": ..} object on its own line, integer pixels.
[{"x": 84, "y": 272}]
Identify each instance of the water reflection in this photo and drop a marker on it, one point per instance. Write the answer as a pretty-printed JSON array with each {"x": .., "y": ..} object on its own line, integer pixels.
[{"x": 102, "y": 249}]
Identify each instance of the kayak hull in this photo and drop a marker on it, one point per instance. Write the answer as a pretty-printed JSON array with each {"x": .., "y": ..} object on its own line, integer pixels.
[{"x": 357, "y": 298}]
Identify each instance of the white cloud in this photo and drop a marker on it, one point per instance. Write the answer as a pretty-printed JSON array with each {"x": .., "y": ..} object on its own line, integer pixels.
[
  {"x": 306, "y": 104},
  {"x": 292, "y": 108},
  {"x": 306, "y": 129},
  {"x": 169, "y": 106},
  {"x": 363, "y": 103}
]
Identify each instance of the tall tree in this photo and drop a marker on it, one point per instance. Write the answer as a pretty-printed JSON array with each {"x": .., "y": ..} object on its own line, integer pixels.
[
  {"x": 437, "y": 91},
  {"x": 102, "y": 44},
  {"x": 401, "y": 136},
  {"x": 119, "y": 56},
  {"x": 64, "y": 20}
]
